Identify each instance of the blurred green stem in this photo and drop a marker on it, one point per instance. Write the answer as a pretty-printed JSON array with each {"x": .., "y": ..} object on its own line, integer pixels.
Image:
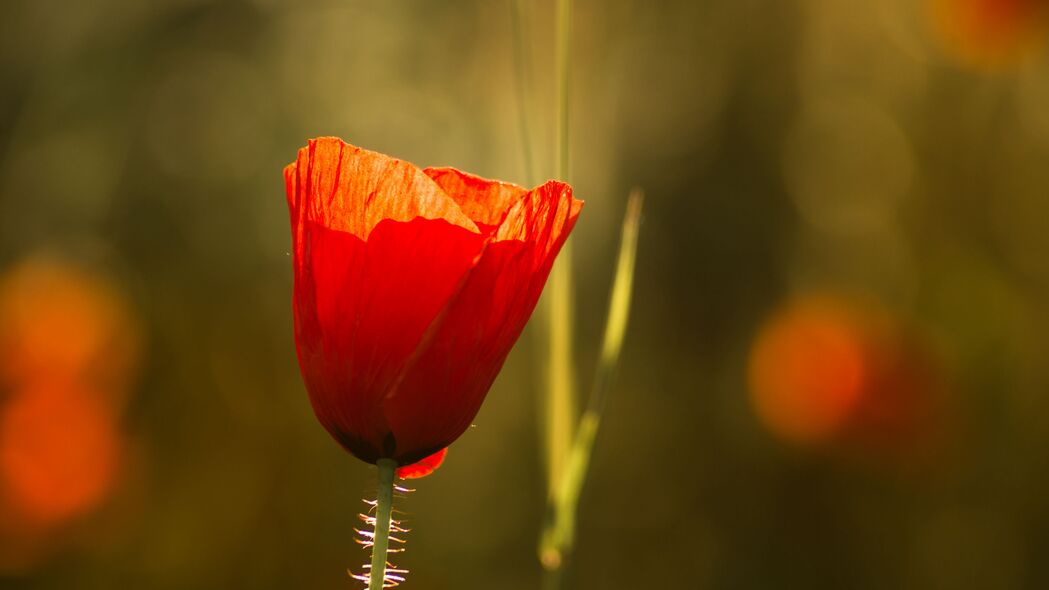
[
  {"x": 562, "y": 68},
  {"x": 383, "y": 513},
  {"x": 558, "y": 405},
  {"x": 522, "y": 68},
  {"x": 561, "y": 405},
  {"x": 558, "y": 537},
  {"x": 560, "y": 388}
]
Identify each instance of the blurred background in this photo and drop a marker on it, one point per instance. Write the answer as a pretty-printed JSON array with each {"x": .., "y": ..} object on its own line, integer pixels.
[{"x": 837, "y": 371}]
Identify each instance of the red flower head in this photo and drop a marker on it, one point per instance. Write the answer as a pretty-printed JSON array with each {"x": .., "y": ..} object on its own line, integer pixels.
[{"x": 411, "y": 286}]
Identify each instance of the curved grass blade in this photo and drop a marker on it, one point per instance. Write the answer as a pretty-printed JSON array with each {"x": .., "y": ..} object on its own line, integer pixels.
[{"x": 559, "y": 534}]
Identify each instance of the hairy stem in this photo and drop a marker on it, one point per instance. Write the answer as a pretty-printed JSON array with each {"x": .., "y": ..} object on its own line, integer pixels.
[{"x": 383, "y": 512}]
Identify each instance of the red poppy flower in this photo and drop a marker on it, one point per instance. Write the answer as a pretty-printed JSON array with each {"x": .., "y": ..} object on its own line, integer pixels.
[{"x": 411, "y": 286}]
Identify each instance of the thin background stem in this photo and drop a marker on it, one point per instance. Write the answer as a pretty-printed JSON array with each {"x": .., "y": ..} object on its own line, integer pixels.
[
  {"x": 561, "y": 398},
  {"x": 568, "y": 450},
  {"x": 558, "y": 405},
  {"x": 558, "y": 537},
  {"x": 523, "y": 75}
]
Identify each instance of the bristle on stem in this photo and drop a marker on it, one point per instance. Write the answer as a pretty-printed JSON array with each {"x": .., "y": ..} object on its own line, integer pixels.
[{"x": 380, "y": 573}]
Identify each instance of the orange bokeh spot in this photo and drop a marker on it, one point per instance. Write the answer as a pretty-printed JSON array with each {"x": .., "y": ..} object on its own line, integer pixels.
[
  {"x": 59, "y": 453},
  {"x": 68, "y": 347},
  {"x": 807, "y": 370},
  {"x": 831, "y": 371},
  {"x": 57, "y": 322},
  {"x": 990, "y": 33}
]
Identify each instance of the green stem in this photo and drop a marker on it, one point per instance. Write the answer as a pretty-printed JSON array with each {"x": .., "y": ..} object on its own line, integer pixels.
[
  {"x": 552, "y": 579},
  {"x": 558, "y": 538},
  {"x": 562, "y": 67},
  {"x": 522, "y": 68},
  {"x": 561, "y": 404},
  {"x": 560, "y": 388},
  {"x": 383, "y": 512}
]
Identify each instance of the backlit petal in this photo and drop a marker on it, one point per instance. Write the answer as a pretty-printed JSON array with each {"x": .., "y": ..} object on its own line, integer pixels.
[
  {"x": 346, "y": 188},
  {"x": 484, "y": 201},
  {"x": 464, "y": 350},
  {"x": 373, "y": 267}
]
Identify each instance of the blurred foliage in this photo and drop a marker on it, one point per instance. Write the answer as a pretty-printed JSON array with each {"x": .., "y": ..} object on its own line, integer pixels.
[{"x": 888, "y": 155}]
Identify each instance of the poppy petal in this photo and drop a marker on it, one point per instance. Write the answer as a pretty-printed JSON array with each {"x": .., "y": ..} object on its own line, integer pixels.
[
  {"x": 350, "y": 189},
  {"x": 366, "y": 292},
  {"x": 424, "y": 467},
  {"x": 466, "y": 346},
  {"x": 484, "y": 201}
]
